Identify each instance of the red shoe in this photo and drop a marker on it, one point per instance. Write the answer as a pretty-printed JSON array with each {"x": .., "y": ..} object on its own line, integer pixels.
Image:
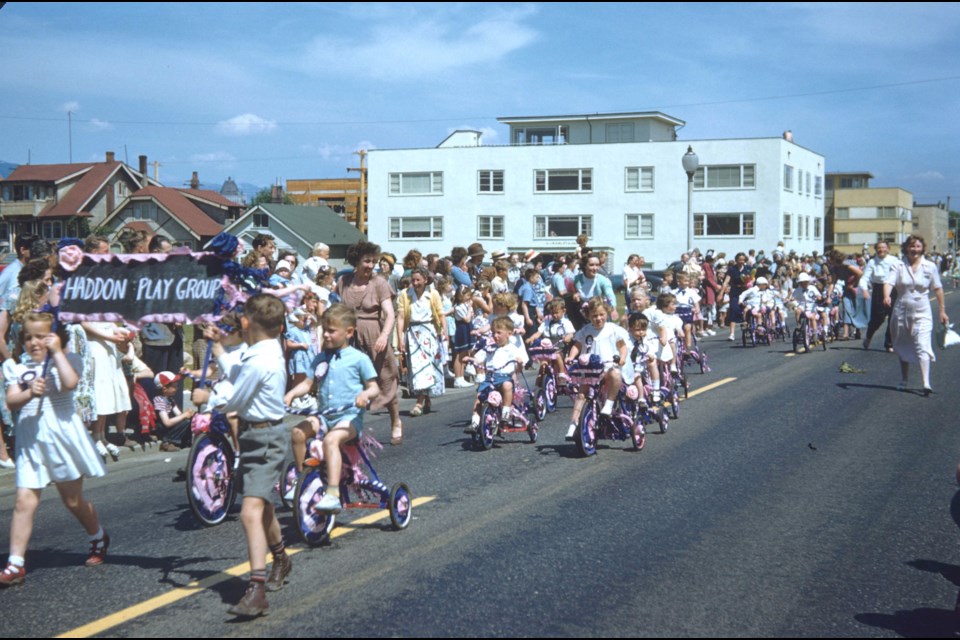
[
  {"x": 98, "y": 551},
  {"x": 12, "y": 576}
]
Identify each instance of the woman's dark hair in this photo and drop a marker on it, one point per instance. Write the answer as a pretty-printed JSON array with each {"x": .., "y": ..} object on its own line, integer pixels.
[
  {"x": 33, "y": 270},
  {"x": 356, "y": 252},
  {"x": 423, "y": 272},
  {"x": 457, "y": 255},
  {"x": 915, "y": 237}
]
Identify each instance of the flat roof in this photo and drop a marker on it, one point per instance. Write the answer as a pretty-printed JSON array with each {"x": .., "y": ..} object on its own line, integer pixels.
[{"x": 651, "y": 115}]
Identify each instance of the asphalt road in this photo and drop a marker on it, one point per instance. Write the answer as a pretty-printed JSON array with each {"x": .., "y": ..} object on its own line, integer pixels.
[{"x": 794, "y": 500}]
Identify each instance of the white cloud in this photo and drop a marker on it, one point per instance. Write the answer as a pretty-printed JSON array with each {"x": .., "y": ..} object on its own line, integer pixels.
[
  {"x": 99, "y": 125},
  {"x": 245, "y": 125},
  {"x": 421, "y": 46},
  {"x": 215, "y": 157},
  {"x": 929, "y": 176}
]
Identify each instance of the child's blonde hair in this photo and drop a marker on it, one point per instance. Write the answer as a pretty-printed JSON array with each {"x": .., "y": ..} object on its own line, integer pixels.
[
  {"x": 505, "y": 301},
  {"x": 30, "y": 296},
  {"x": 595, "y": 304},
  {"x": 503, "y": 322}
]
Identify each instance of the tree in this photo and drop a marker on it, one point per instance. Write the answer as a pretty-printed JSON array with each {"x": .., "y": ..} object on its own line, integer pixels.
[{"x": 265, "y": 196}]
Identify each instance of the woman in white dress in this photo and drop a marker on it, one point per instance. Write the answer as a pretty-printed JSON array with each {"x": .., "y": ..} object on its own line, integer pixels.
[
  {"x": 111, "y": 394},
  {"x": 911, "y": 325}
]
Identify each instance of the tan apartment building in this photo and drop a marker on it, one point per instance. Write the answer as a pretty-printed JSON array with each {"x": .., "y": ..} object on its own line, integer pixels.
[
  {"x": 340, "y": 194},
  {"x": 933, "y": 223},
  {"x": 859, "y": 215}
]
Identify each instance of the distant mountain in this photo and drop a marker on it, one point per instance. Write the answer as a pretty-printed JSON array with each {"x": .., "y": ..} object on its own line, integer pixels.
[{"x": 6, "y": 168}]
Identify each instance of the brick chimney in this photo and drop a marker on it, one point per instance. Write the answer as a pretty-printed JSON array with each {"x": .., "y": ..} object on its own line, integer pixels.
[
  {"x": 195, "y": 181},
  {"x": 145, "y": 180},
  {"x": 110, "y": 157}
]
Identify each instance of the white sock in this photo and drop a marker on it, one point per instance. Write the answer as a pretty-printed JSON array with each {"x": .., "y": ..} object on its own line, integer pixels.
[
  {"x": 97, "y": 536},
  {"x": 607, "y": 408},
  {"x": 572, "y": 429},
  {"x": 16, "y": 561},
  {"x": 505, "y": 413},
  {"x": 475, "y": 420}
]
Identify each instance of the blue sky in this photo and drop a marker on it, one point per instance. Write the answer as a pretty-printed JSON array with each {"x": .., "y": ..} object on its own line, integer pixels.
[{"x": 264, "y": 92}]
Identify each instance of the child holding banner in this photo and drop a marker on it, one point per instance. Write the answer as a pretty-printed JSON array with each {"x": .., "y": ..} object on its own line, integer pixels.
[{"x": 52, "y": 443}]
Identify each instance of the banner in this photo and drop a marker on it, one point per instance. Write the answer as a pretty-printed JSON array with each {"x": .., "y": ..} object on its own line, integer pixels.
[{"x": 141, "y": 288}]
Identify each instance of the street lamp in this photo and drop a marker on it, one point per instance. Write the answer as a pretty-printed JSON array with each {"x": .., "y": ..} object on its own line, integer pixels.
[
  {"x": 690, "y": 164},
  {"x": 903, "y": 221}
]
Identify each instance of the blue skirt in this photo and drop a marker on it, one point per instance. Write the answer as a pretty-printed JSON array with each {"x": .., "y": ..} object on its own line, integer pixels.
[{"x": 462, "y": 340}]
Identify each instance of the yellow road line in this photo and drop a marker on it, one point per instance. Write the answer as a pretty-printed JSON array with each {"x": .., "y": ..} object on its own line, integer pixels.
[
  {"x": 158, "y": 602},
  {"x": 710, "y": 387}
]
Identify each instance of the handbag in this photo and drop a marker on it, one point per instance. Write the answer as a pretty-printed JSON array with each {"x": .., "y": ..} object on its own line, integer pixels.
[{"x": 946, "y": 336}]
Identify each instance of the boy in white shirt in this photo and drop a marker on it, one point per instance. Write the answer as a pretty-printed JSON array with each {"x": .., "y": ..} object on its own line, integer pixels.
[
  {"x": 502, "y": 361},
  {"x": 609, "y": 341},
  {"x": 688, "y": 306}
]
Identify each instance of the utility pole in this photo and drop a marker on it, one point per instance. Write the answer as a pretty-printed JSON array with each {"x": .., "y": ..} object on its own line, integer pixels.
[{"x": 362, "y": 209}]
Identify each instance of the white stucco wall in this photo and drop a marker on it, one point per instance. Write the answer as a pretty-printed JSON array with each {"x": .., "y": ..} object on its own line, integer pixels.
[{"x": 460, "y": 203}]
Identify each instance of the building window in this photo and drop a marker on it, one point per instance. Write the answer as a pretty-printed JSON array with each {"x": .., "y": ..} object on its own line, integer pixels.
[
  {"x": 808, "y": 183},
  {"x": 841, "y": 238},
  {"x": 714, "y": 225},
  {"x": 427, "y": 183},
  {"x": 787, "y": 177},
  {"x": 799, "y": 181},
  {"x": 888, "y": 237},
  {"x": 853, "y": 183},
  {"x": 818, "y": 186},
  {"x": 52, "y": 230},
  {"x": 806, "y": 227},
  {"x": 562, "y": 226},
  {"x": 261, "y": 221},
  {"x": 563, "y": 180},
  {"x": 639, "y": 179},
  {"x": 735, "y": 176},
  {"x": 620, "y": 132},
  {"x": 490, "y": 228},
  {"x": 887, "y": 212},
  {"x": 638, "y": 225},
  {"x": 541, "y": 135},
  {"x": 817, "y": 229},
  {"x": 490, "y": 181},
  {"x": 787, "y": 225},
  {"x": 842, "y": 213},
  {"x": 422, "y": 228}
]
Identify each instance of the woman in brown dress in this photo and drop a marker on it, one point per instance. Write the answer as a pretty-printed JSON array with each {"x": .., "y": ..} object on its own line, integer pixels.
[{"x": 370, "y": 296}]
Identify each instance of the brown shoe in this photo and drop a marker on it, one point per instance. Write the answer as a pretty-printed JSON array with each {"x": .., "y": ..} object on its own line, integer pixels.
[
  {"x": 98, "y": 550},
  {"x": 253, "y": 604},
  {"x": 281, "y": 568},
  {"x": 169, "y": 447}
]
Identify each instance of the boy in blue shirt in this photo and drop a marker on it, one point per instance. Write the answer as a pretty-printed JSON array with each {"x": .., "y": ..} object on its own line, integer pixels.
[{"x": 345, "y": 377}]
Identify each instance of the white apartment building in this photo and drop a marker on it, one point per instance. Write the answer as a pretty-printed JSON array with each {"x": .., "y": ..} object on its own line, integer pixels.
[{"x": 616, "y": 177}]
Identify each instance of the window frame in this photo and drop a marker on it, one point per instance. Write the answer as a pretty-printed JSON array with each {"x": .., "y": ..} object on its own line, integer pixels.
[
  {"x": 435, "y": 177},
  {"x": 492, "y": 220},
  {"x": 788, "y": 173},
  {"x": 491, "y": 180},
  {"x": 640, "y": 170},
  {"x": 702, "y": 218},
  {"x": 583, "y": 174},
  {"x": 434, "y": 226},
  {"x": 702, "y": 180},
  {"x": 639, "y": 234},
  {"x": 584, "y": 225}
]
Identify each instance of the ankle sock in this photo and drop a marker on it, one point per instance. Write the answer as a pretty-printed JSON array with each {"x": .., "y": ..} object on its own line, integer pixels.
[
  {"x": 258, "y": 575},
  {"x": 17, "y": 561},
  {"x": 96, "y": 536},
  {"x": 278, "y": 550},
  {"x": 607, "y": 408}
]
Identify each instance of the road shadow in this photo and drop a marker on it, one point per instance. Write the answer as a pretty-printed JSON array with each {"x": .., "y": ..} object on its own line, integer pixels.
[
  {"x": 171, "y": 568},
  {"x": 847, "y": 386},
  {"x": 567, "y": 450}
]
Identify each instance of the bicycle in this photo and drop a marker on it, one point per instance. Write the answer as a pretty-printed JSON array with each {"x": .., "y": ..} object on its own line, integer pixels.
[
  {"x": 314, "y": 526},
  {"x": 524, "y": 413},
  {"x": 804, "y": 336},
  {"x": 593, "y": 425},
  {"x": 211, "y": 469},
  {"x": 549, "y": 383}
]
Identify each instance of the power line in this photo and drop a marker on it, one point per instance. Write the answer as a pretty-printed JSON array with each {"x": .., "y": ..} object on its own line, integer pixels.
[{"x": 186, "y": 123}]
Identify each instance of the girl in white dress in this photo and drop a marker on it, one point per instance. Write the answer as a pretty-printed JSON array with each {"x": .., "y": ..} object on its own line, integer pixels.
[
  {"x": 52, "y": 443},
  {"x": 106, "y": 344}
]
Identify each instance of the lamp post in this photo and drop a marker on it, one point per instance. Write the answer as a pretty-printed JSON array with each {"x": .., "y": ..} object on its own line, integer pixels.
[{"x": 690, "y": 164}]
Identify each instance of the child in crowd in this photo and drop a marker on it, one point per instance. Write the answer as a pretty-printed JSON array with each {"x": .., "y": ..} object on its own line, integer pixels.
[
  {"x": 445, "y": 288},
  {"x": 688, "y": 306},
  {"x": 505, "y": 304},
  {"x": 642, "y": 355},
  {"x": 502, "y": 361},
  {"x": 808, "y": 298},
  {"x": 52, "y": 444},
  {"x": 664, "y": 325},
  {"x": 462, "y": 337},
  {"x": 344, "y": 377},
  {"x": 298, "y": 343},
  {"x": 608, "y": 341},
  {"x": 174, "y": 423},
  {"x": 559, "y": 330},
  {"x": 756, "y": 299},
  {"x": 259, "y": 381}
]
